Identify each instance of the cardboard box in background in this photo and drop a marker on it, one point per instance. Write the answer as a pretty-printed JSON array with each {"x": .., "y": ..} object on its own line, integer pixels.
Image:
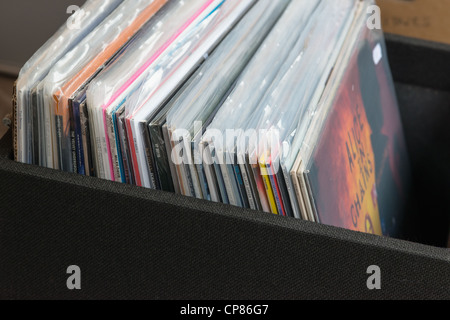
[{"x": 423, "y": 19}]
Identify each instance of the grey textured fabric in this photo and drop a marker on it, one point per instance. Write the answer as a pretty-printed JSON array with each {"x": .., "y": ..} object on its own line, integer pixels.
[{"x": 136, "y": 243}]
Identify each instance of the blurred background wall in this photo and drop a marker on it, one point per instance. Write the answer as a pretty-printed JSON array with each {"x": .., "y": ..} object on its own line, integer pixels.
[{"x": 25, "y": 25}]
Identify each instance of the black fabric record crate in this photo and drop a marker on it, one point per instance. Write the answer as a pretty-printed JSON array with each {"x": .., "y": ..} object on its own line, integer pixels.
[{"x": 133, "y": 243}]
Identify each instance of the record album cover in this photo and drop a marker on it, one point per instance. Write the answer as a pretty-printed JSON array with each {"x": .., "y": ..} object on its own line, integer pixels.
[{"x": 359, "y": 170}]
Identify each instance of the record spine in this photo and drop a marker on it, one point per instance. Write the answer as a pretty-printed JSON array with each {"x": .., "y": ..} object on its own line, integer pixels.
[
  {"x": 268, "y": 187},
  {"x": 187, "y": 174},
  {"x": 261, "y": 187},
  {"x": 59, "y": 136},
  {"x": 250, "y": 197},
  {"x": 312, "y": 204},
  {"x": 291, "y": 192},
  {"x": 276, "y": 191},
  {"x": 72, "y": 138},
  {"x": 210, "y": 174},
  {"x": 161, "y": 160},
  {"x": 173, "y": 170},
  {"x": 42, "y": 160},
  {"x": 253, "y": 184},
  {"x": 150, "y": 156},
  {"x": 34, "y": 128},
  {"x": 203, "y": 181},
  {"x": 195, "y": 175},
  {"x": 227, "y": 184},
  {"x": 127, "y": 164},
  {"x": 301, "y": 201},
  {"x": 14, "y": 121},
  {"x": 85, "y": 137},
  {"x": 179, "y": 172},
  {"x": 241, "y": 186},
  {"x": 79, "y": 156},
  {"x": 113, "y": 147},
  {"x": 220, "y": 180}
]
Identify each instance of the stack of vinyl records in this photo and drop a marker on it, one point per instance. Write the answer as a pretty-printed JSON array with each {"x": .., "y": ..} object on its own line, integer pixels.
[{"x": 286, "y": 107}]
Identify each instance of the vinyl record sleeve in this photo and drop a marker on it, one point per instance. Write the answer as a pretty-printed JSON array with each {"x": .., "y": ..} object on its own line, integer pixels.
[
  {"x": 82, "y": 63},
  {"x": 135, "y": 96},
  {"x": 217, "y": 25},
  {"x": 168, "y": 145},
  {"x": 248, "y": 185},
  {"x": 289, "y": 98},
  {"x": 363, "y": 185},
  {"x": 298, "y": 189},
  {"x": 114, "y": 83},
  {"x": 239, "y": 177},
  {"x": 127, "y": 165},
  {"x": 209, "y": 18},
  {"x": 215, "y": 78},
  {"x": 37, "y": 67},
  {"x": 258, "y": 76},
  {"x": 210, "y": 175},
  {"x": 163, "y": 157},
  {"x": 268, "y": 185}
]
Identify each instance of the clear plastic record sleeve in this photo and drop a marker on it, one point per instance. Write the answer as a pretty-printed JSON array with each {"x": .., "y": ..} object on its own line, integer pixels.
[
  {"x": 79, "y": 66},
  {"x": 356, "y": 145},
  {"x": 81, "y": 119},
  {"x": 164, "y": 78},
  {"x": 255, "y": 80},
  {"x": 282, "y": 106},
  {"x": 221, "y": 20},
  {"x": 101, "y": 92},
  {"x": 213, "y": 81},
  {"x": 127, "y": 174},
  {"x": 92, "y": 13},
  {"x": 132, "y": 100},
  {"x": 195, "y": 165},
  {"x": 288, "y": 100},
  {"x": 308, "y": 127},
  {"x": 107, "y": 93},
  {"x": 163, "y": 163},
  {"x": 157, "y": 62},
  {"x": 79, "y": 126}
]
